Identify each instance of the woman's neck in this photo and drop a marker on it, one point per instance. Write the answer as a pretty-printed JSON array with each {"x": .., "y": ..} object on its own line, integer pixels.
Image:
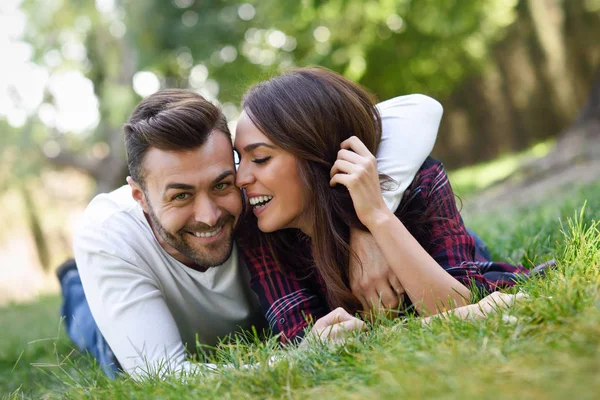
[
  {"x": 305, "y": 225},
  {"x": 307, "y": 229}
]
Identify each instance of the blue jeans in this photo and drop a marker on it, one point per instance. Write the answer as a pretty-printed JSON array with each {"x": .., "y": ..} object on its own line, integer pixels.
[
  {"x": 480, "y": 247},
  {"x": 80, "y": 324}
]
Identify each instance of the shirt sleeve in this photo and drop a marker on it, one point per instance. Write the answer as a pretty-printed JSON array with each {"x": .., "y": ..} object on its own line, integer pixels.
[
  {"x": 410, "y": 126},
  {"x": 454, "y": 248},
  {"x": 288, "y": 304},
  {"x": 128, "y": 306}
]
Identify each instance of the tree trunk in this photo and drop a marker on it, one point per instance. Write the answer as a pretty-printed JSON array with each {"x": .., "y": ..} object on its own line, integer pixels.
[{"x": 35, "y": 227}]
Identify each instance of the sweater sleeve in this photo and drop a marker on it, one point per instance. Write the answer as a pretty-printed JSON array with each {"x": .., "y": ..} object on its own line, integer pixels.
[
  {"x": 128, "y": 305},
  {"x": 410, "y": 126}
]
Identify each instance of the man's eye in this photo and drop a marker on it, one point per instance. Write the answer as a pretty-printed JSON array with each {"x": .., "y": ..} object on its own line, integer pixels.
[
  {"x": 261, "y": 160},
  {"x": 221, "y": 186},
  {"x": 181, "y": 196}
]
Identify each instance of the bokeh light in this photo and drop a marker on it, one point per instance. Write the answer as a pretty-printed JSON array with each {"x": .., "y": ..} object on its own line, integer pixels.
[
  {"x": 246, "y": 11},
  {"x": 145, "y": 83}
]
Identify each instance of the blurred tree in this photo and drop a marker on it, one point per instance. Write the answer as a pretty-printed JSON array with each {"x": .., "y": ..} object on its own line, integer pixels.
[
  {"x": 537, "y": 78},
  {"x": 72, "y": 35},
  {"x": 391, "y": 46},
  {"x": 220, "y": 47},
  {"x": 511, "y": 71},
  {"x": 20, "y": 165},
  {"x": 508, "y": 72}
]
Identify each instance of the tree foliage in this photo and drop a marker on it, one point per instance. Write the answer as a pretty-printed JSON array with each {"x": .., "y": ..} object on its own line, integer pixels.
[
  {"x": 391, "y": 46},
  {"x": 221, "y": 47}
]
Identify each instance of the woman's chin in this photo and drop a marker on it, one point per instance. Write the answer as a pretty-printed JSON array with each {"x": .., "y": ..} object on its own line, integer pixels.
[{"x": 266, "y": 227}]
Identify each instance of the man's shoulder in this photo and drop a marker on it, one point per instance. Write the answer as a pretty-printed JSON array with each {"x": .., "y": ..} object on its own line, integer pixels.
[
  {"x": 112, "y": 231},
  {"x": 115, "y": 214},
  {"x": 106, "y": 206}
]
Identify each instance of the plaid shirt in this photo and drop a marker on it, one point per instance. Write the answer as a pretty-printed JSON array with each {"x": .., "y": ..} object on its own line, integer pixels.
[{"x": 288, "y": 302}]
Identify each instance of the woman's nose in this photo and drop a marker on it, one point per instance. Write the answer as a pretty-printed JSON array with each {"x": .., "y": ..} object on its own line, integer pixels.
[{"x": 243, "y": 177}]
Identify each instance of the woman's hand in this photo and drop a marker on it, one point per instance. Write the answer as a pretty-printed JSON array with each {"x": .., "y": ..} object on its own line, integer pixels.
[
  {"x": 371, "y": 279},
  {"x": 335, "y": 326},
  {"x": 490, "y": 304},
  {"x": 356, "y": 168}
]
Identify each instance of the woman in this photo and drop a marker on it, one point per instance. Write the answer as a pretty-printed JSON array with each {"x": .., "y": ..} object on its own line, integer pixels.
[{"x": 306, "y": 142}]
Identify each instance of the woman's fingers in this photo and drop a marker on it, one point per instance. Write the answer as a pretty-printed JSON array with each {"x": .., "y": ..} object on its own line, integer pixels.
[
  {"x": 337, "y": 333},
  {"x": 357, "y": 145},
  {"x": 364, "y": 302},
  {"x": 358, "y": 173},
  {"x": 396, "y": 285},
  {"x": 334, "y": 317},
  {"x": 387, "y": 298},
  {"x": 336, "y": 324},
  {"x": 351, "y": 156},
  {"x": 343, "y": 167},
  {"x": 342, "y": 179}
]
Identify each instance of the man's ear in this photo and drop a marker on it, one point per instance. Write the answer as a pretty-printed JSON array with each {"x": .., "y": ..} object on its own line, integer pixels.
[{"x": 138, "y": 194}]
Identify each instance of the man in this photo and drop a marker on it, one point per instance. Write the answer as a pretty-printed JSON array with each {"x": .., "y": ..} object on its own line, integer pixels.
[{"x": 156, "y": 258}]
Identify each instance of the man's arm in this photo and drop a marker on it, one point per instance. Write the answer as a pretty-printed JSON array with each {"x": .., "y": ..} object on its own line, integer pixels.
[
  {"x": 410, "y": 125},
  {"x": 128, "y": 306}
]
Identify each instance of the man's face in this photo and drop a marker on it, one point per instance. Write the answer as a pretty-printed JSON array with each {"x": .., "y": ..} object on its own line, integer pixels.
[{"x": 191, "y": 200}]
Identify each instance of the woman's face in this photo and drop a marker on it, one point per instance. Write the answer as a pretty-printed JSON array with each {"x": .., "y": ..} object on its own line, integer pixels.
[{"x": 271, "y": 179}]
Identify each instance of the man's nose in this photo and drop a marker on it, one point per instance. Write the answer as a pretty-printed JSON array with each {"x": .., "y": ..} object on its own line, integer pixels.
[{"x": 207, "y": 211}]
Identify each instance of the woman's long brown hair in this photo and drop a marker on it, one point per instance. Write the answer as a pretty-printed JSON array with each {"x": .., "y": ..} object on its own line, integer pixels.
[{"x": 309, "y": 112}]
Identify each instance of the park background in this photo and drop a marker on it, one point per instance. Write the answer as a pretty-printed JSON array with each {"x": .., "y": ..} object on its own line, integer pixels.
[
  {"x": 519, "y": 81},
  {"x": 511, "y": 75}
]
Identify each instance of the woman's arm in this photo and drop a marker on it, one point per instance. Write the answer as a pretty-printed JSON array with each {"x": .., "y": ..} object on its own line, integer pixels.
[
  {"x": 410, "y": 124},
  {"x": 430, "y": 288}
]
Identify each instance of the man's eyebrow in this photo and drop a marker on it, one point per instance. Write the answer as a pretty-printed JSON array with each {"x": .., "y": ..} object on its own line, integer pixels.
[
  {"x": 185, "y": 186},
  {"x": 253, "y": 146},
  {"x": 222, "y": 176},
  {"x": 182, "y": 186}
]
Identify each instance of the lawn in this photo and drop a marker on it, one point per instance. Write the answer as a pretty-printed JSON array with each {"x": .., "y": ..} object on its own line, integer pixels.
[{"x": 547, "y": 346}]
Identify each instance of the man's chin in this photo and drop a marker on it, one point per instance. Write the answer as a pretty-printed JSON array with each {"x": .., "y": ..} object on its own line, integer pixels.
[
  {"x": 217, "y": 261},
  {"x": 212, "y": 255}
]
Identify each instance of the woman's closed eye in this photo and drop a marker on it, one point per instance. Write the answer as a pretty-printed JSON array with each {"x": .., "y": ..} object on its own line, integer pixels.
[{"x": 261, "y": 160}]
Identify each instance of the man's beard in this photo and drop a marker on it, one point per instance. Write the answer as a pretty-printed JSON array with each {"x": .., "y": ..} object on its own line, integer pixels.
[{"x": 211, "y": 255}]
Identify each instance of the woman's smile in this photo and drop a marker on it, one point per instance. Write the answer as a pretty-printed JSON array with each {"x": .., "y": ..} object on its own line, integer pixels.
[
  {"x": 270, "y": 177},
  {"x": 259, "y": 203}
]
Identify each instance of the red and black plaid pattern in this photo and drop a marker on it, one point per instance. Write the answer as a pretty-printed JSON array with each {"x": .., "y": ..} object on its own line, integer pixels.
[{"x": 288, "y": 303}]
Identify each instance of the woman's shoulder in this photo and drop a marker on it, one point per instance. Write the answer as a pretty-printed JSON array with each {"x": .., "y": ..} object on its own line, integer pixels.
[
  {"x": 431, "y": 174},
  {"x": 429, "y": 170}
]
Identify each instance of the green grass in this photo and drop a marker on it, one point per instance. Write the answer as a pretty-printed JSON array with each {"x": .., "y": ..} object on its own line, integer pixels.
[{"x": 550, "y": 349}]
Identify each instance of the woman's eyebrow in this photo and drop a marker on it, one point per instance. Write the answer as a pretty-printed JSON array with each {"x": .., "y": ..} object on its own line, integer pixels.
[{"x": 253, "y": 146}]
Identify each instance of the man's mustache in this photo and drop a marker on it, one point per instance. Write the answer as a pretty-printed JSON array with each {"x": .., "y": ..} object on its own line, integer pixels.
[{"x": 200, "y": 227}]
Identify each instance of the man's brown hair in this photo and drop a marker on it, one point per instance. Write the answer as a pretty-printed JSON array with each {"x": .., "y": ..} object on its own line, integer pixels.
[{"x": 169, "y": 120}]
